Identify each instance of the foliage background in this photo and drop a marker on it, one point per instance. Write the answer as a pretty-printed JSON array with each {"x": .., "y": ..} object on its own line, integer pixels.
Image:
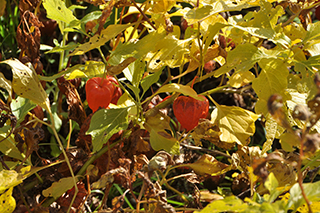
[{"x": 256, "y": 61}]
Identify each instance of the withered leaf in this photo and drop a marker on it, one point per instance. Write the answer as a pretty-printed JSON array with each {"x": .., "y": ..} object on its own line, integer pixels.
[{"x": 75, "y": 107}]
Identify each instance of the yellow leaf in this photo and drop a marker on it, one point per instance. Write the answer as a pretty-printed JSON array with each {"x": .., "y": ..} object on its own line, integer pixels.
[
  {"x": 100, "y": 39},
  {"x": 272, "y": 80},
  {"x": 26, "y": 83},
  {"x": 241, "y": 78},
  {"x": 9, "y": 179},
  {"x": 235, "y": 123},
  {"x": 186, "y": 90},
  {"x": 207, "y": 164},
  {"x": 7, "y": 202},
  {"x": 162, "y": 6}
]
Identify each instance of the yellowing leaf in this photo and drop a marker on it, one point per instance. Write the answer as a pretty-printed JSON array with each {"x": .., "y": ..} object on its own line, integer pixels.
[
  {"x": 241, "y": 78},
  {"x": 207, "y": 164},
  {"x": 235, "y": 123},
  {"x": 157, "y": 123},
  {"x": 87, "y": 70},
  {"x": 7, "y": 202},
  {"x": 229, "y": 204},
  {"x": 57, "y": 10},
  {"x": 242, "y": 58},
  {"x": 162, "y": 6},
  {"x": 212, "y": 52},
  {"x": 26, "y": 83},
  {"x": 272, "y": 130},
  {"x": 2, "y": 7},
  {"x": 169, "y": 51},
  {"x": 100, "y": 39},
  {"x": 186, "y": 90},
  {"x": 272, "y": 80},
  {"x": 58, "y": 188},
  {"x": 139, "y": 49},
  {"x": 9, "y": 179}
]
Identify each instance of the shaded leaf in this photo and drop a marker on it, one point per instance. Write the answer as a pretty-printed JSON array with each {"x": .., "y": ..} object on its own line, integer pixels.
[
  {"x": 106, "y": 122},
  {"x": 157, "y": 125},
  {"x": 58, "y": 188},
  {"x": 20, "y": 107}
]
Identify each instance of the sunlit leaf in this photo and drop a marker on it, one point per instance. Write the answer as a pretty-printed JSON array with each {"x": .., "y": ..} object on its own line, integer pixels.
[
  {"x": 158, "y": 125},
  {"x": 87, "y": 70},
  {"x": 312, "y": 191},
  {"x": 58, "y": 188},
  {"x": 10, "y": 178},
  {"x": 100, "y": 39},
  {"x": 241, "y": 78},
  {"x": 26, "y": 83},
  {"x": 169, "y": 51},
  {"x": 7, "y": 202},
  {"x": 162, "y": 6},
  {"x": 228, "y": 204},
  {"x": 242, "y": 58},
  {"x": 139, "y": 49},
  {"x": 236, "y": 124},
  {"x": 57, "y": 10},
  {"x": 272, "y": 80},
  {"x": 185, "y": 90},
  {"x": 207, "y": 164},
  {"x": 106, "y": 122}
]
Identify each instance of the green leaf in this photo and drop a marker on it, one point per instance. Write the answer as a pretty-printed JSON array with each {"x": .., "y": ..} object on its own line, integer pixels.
[
  {"x": 26, "y": 83},
  {"x": 236, "y": 124},
  {"x": 8, "y": 146},
  {"x": 57, "y": 10},
  {"x": 134, "y": 72},
  {"x": 229, "y": 204},
  {"x": 58, "y": 188},
  {"x": 100, "y": 39},
  {"x": 106, "y": 122},
  {"x": 158, "y": 125},
  {"x": 149, "y": 80},
  {"x": 7, "y": 202},
  {"x": 312, "y": 191},
  {"x": 57, "y": 49},
  {"x": 20, "y": 108},
  {"x": 186, "y": 90}
]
